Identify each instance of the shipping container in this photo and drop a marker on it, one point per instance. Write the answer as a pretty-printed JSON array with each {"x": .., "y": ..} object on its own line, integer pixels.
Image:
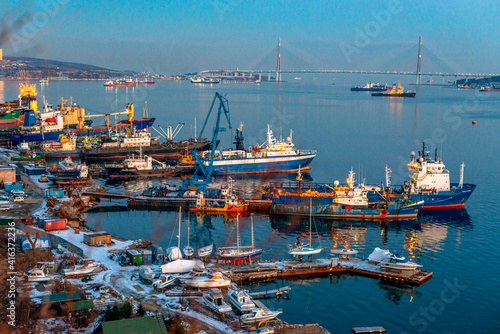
[
  {"x": 135, "y": 257},
  {"x": 56, "y": 224},
  {"x": 9, "y": 186},
  {"x": 34, "y": 170},
  {"x": 56, "y": 193}
]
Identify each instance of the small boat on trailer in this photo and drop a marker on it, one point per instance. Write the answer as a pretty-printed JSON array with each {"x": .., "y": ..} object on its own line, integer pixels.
[
  {"x": 164, "y": 281},
  {"x": 240, "y": 299},
  {"x": 206, "y": 280},
  {"x": 215, "y": 300}
]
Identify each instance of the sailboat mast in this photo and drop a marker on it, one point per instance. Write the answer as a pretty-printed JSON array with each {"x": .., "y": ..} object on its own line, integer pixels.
[
  {"x": 188, "y": 228},
  {"x": 251, "y": 220},
  {"x": 179, "y": 236},
  {"x": 237, "y": 234},
  {"x": 310, "y": 222}
]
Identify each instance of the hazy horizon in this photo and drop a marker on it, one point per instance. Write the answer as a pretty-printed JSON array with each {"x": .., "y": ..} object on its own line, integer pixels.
[{"x": 172, "y": 37}]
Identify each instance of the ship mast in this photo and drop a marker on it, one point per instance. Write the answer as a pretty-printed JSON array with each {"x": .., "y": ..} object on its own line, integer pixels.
[
  {"x": 461, "y": 183},
  {"x": 179, "y": 235},
  {"x": 251, "y": 221},
  {"x": 237, "y": 234}
]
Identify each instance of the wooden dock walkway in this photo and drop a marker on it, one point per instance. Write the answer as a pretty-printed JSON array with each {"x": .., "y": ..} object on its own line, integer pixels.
[
  {"x": 270, "y": 293},
  {"x": 314, "y": 270}
]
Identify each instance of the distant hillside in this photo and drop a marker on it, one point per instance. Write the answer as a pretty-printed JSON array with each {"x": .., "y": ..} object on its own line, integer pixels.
[{"x": 47, "y": 65}]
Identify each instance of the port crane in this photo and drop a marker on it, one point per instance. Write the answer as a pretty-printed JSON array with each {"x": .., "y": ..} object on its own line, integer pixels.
[
  {"x": 204, "y": 166},
  {"x": 129, "y": 111}
]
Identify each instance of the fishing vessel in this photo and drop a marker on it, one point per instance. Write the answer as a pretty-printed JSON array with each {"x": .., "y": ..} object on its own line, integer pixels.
[
  {"x": 215, "y": 301},
  {"x": 396, "y": 261},
  {"x": 239, "y": 254},
  {"x": 205, "y": 280},
  {"x": 70, "y": 173},
  {"x": 342, "y": 202},
  {"x": 142, "y": 166},
  {"x": 119, "y": 146},
  {"x": 371, "y": 87},
  {"x": 430, "y": 182},
  {"x": 305, "y": 249},
  {"x": 230, "y": 203},
  {"x": 271, "y": 157},
  {"x": 396, "y": 91}
]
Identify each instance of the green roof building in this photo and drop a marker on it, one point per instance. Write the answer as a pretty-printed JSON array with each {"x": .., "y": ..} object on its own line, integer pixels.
[{"x": 144, "y": 325}]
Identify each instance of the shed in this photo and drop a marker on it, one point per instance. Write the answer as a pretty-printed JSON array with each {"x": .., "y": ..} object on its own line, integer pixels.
[
  {"x": 135, "y": 257},
  {"x": 158, "y": 253},
  {"x": 97, "y": 238},
  {"x": 61, "y": 297},
  {"x": 150, "y": 325},
  {"x": 7, "y": 174}
]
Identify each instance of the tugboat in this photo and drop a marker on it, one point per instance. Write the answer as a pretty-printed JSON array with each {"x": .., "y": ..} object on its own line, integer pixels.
[
  {"x": 396, "y": 92},
  {"x": 271, "y": 157},
  {"x": 371, "y": 87},
  {"x": 430, "y": 182},
  {"x": 229, "y": 203}
]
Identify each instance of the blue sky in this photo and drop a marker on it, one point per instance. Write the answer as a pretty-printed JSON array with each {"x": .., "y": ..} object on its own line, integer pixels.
[{"x": 183, "y": 36}]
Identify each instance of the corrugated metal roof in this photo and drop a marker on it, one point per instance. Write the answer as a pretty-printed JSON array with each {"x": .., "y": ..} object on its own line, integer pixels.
[
  {"x": 81, "y": 305},
  {"x": 149, "y": 325}
]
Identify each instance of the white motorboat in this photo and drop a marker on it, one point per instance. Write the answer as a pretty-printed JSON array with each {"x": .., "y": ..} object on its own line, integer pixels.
[
  {"x": 205, "y": 280},
  {"x": 205, "y": 251},
  {"x": 241, "y": 300},
  {"x": 344, "y": 251},
  {"x": 78, "y": 270},
  {"x": 258, "y": 315},
  {"x": 38, "y": 275},
  {"x": 90, "y": 263},
  {"x": 147, "y": 274},
  {"x": 305, "y": 249},
  {"x": 397, "y": 261},
  {"x": 215, "y": 301},
  {"x": 164, "y": 281}
]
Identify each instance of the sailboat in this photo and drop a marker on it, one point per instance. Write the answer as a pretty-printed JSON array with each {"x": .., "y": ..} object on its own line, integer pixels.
[
  {"x": 179, "y": 265},
  {"x": 305, "y": 249},
  {"x": 188, "y": 250},
  {"x": 239, "y": 254}
]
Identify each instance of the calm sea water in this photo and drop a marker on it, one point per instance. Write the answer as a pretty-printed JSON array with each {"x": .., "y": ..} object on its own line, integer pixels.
[{"x": 348, "y": 129}]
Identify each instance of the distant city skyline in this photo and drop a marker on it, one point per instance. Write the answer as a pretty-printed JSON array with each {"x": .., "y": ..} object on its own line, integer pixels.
[{"x": 170, "y": 37}]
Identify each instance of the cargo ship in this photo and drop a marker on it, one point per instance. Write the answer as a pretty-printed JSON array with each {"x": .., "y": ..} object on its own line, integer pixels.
[
  {"x": 202, "y": 80},
  {"x": 430, "y": 182},
  {"x": 271, "y": 157},
  {"x": 371, "y": 87},
  {"x": 490, "y": 89},
  {"x": 12, "y": 113},
  {"x": 342, "y": 202},
  {"x": 120, "y": 83},
  {"x": 396, "y": 91},
  {"x": 50, "y": 124},
  {"x": 145, "y": 82}
]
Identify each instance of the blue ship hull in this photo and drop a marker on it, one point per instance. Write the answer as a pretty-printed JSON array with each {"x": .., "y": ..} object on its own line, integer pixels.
[
  {"x": 442, "y": 200},
  {"x": 373, "y": 89},
  {"x": 446, "y": 199},
  {"x": 262, "y": 165},
  {"x": 98, "y": 130},
  {"x": 28, "y": 137},
  {"x": 324, "y": 208}
]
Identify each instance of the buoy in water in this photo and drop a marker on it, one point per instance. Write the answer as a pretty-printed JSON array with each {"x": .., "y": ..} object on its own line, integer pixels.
[{"x": 474, "y": 122}]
